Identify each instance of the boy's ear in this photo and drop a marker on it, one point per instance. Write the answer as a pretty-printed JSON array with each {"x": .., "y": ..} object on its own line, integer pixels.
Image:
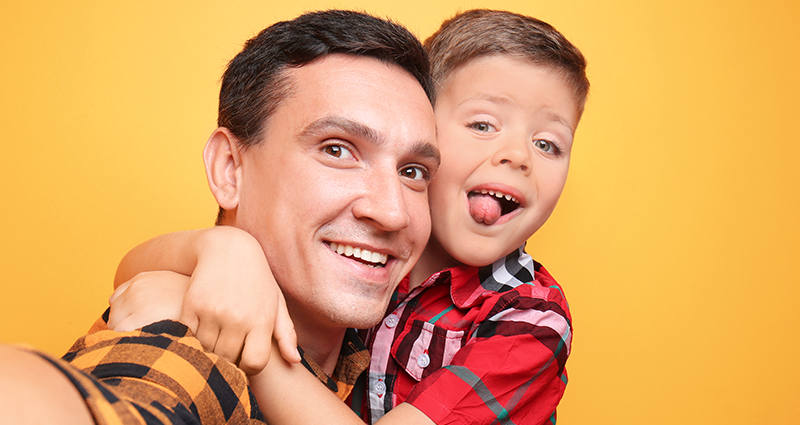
[{"x": 223, "y": 168}]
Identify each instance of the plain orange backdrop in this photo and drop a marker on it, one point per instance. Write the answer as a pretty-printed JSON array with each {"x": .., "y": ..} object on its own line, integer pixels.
[{"x": 675, "y": 240}]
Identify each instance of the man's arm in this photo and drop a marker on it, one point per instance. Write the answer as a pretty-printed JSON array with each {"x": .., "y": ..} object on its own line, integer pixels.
[
  {"x": 33, "y": 391},
  {"x": 158, "y": 375}
]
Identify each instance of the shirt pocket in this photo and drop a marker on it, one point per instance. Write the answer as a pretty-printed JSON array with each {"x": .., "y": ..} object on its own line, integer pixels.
[{"x": 423, "y": 348}]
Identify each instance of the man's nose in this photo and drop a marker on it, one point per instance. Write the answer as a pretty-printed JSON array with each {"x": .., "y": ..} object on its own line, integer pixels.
[{"x": 383, "y": 201}]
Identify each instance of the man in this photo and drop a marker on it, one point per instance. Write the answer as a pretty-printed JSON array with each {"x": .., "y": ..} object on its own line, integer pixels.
[{"x": 326, "y": 137}]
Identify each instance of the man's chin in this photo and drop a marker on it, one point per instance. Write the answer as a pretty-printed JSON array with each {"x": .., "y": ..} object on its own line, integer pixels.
[{"x": 360, "y": 314}]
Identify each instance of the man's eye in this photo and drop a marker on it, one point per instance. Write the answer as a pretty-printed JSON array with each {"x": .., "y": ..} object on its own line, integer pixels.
[
  {"x": 545, "y": 146},
  {"x": 338, "y": 151},
  {"x": 414, "y": 173},
  {"x": 481, "y": 126}
]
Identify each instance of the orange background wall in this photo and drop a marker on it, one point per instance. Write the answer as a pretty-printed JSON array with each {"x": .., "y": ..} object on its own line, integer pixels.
[{"x": 676, "y": 238}]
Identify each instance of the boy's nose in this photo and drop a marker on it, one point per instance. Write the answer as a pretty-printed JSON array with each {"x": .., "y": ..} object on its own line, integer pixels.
[{"x": 515, "y": 153}]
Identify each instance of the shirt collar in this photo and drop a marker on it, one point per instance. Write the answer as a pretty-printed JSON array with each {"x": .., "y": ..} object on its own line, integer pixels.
[
  {"x": 353, "y": 359},
  {"x": 469, "y": 285}
]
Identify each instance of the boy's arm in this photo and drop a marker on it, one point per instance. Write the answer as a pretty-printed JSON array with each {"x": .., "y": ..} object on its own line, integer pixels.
[
  {"x": 233, "y": 303},
  {"x": 284, "y": 391},
  {"x": 177, "y": 252},
  {"x": 154, "y": 296}
]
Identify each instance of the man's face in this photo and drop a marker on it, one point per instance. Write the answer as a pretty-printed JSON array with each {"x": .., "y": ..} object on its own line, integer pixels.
[{"x": 344, "y": 165}]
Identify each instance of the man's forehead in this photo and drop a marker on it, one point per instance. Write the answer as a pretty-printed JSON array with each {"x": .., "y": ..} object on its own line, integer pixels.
[{"x": 360, "y": 95}]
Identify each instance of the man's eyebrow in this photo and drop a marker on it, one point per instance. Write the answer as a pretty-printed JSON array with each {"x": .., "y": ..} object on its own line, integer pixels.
[
  {"x": 421, "y": 149},
  {"x": 345, "y": 125},
  {"x": 427, "y": 150}
]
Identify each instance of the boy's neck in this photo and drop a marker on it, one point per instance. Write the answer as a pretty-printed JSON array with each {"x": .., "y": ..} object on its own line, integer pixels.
[{"x": 433, "y": 259}]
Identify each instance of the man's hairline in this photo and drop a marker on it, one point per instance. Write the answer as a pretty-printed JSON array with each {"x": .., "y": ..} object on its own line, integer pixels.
[{"x": 286, "y": 78}]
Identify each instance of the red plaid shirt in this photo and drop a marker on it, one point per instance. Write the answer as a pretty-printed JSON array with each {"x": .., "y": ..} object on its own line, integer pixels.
[{"x": 473, "y": 345}]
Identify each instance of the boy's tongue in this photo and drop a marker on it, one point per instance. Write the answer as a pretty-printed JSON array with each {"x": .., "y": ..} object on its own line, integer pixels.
[{"x": 484, "y": 208}]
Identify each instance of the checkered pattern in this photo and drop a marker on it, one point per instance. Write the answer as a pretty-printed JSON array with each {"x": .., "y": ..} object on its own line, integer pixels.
[
  {"x": 157, "y": 375},
  {"x": 161, "y": 375},
  {"x": 353, "y": 360},
  {"x": 473, "y": 345}
]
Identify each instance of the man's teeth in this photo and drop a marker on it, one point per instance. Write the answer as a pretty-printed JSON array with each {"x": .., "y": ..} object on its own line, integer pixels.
[
  {"x": 500, "y": 195},
  {"x": 363, "y": 254}
]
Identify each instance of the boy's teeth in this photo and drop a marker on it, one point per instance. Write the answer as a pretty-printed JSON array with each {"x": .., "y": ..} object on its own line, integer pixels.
[
  {"x": 363, "y": 254},
  {"x": 499, "y": 195}
]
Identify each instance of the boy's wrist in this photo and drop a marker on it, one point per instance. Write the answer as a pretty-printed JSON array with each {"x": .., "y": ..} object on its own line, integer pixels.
[{"x": 223, "y": 240}]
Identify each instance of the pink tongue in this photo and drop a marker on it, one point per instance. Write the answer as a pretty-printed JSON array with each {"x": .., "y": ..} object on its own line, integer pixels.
[{"x": 484, "y": 208}]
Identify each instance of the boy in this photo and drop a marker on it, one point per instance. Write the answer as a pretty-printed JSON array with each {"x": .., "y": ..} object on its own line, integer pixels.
[{"x": 478, "y": 332}]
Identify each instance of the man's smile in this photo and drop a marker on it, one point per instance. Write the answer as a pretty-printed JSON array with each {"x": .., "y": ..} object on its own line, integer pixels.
[{"x": 370, "y": 258}]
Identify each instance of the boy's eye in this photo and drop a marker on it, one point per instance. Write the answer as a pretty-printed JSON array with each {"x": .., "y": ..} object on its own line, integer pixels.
[
  {"x": 481, "y": 126},
  {"x": 414, "y": 173},
  {"x": 338, "y": 151},
  {"x": 545, "y": 146}
]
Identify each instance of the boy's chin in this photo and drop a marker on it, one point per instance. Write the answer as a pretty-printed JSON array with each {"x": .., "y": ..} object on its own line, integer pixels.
[{"x": 483, "y": 254}]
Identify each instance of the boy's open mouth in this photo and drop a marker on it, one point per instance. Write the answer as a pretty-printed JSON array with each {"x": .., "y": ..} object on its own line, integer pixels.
[
  {"x": 372, "y": 259},
  {"x": 487, "y": 206}
]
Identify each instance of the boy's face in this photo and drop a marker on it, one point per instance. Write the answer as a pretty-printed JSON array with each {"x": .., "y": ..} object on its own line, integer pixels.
[{"x": 505, "y": 129}]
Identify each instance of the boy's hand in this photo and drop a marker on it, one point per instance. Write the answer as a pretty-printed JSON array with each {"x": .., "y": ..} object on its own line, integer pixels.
[
  {"x": 147, "y": 298},
  {"x": 234, "y": 304}
]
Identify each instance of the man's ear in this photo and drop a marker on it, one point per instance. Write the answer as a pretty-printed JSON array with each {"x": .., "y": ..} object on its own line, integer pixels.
[{"x": 223, "y": 168}]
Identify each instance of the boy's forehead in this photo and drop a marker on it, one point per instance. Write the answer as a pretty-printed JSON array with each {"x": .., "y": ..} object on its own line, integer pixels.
[{"x": 491, "y": 79}]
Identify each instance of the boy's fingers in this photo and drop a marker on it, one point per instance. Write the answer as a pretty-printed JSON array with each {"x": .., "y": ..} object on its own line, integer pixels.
[
  {"x": 118, "y": 313},
  {"x": 256, "y": 353},
  {"x": 115, "y": 319},
  {"x": 289, "y": 350},
  {"x": 285, "y": 334},
  {"x": 124, "y": 326},
  {"x": 190, "y": 320},
  {"x": 119, "y": 291},
  {"x": 207, "y": 333},
  {"x": 229, "y": 345}
]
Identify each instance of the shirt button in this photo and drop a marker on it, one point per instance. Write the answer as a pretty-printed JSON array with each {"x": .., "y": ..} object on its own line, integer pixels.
[
  {"x": 423, "y": 360},
  {"x": 391, "y": 320},
  {"x": 380, "y": 388}
]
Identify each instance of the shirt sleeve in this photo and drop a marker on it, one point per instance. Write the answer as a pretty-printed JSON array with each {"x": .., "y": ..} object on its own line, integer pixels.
[
  {"x": 157, "y": 375},
  {"x": 512, "y": 370}
]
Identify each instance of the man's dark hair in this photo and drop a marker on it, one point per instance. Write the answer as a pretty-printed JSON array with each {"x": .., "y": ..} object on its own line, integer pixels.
[{"x": 255, "y": 81}]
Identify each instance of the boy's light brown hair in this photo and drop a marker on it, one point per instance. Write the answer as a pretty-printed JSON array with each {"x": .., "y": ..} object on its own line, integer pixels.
[{"x": 483, "y": 32}]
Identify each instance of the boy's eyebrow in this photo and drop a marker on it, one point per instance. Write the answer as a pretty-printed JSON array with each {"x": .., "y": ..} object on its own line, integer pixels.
[
  {"x": 489, "y": 98},
  {"x": 502, "y": 100},
  {"x": 554, "y": 116}
]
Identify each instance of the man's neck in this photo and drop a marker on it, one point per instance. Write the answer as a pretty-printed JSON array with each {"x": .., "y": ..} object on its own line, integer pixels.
[{"x": 321, "y": 344}]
